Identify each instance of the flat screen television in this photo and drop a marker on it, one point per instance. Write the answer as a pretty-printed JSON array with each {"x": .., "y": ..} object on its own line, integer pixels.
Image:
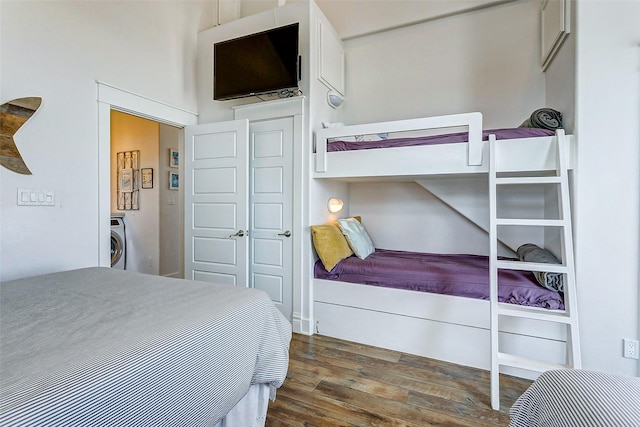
[{"x": 256, "y": 64}]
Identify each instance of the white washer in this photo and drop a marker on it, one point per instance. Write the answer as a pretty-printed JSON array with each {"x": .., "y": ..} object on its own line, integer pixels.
[{"x": 118, "y": 242}]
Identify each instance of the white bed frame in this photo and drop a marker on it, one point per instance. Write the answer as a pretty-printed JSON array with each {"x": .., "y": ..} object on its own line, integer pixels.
[{"x": 443, "y": 327}]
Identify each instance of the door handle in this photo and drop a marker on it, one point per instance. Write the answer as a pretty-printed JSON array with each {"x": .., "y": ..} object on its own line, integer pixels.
[
  {"x": 285, "y": 234},
  {"x": 240, "y": 233}
]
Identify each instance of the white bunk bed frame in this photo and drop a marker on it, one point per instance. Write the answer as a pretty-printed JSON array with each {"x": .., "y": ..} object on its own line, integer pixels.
[
  {"x": 421, "y": 161},
  {"x": 454, "y": 329}
]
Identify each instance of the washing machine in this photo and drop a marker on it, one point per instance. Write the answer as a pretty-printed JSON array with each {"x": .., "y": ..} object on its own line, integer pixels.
[{"x": 118, "y": 242}]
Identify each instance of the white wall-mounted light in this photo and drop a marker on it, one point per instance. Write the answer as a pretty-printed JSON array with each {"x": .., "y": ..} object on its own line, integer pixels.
[
  {"x": 334, "y": 99},
  {"x": 335, "y": 205}
]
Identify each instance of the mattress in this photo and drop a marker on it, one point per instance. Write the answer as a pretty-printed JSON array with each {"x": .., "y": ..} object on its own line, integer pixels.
[
  {"x": 450, "y": 138},
  {"x": 458, "y": 275},
  {"x": 578, "y": 398},
  {"x": 99, "y": 346}
]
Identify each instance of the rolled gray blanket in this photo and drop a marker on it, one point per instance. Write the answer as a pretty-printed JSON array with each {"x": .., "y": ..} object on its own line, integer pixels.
[
  {"x": 532, "y": 253},
  {"x": 544, "y": 118}
]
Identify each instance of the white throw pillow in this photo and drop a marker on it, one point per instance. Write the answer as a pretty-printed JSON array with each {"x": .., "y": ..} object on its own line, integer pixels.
[{"x": 357, "y": 237}]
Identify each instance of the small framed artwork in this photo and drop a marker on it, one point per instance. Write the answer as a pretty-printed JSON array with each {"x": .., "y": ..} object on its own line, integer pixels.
[
  {"x": 174, "y": 180},
  {"x": 174, "y": 158},
  {"x": 147, "y": 178},
  {"x": 126, "y": 180}
]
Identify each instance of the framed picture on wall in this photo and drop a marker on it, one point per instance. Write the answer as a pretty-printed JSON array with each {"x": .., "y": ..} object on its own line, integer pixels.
[
  {"x": 174, "y": 158},
  {"x": 147, "y": 178},
  {"x": 126, "y": 180},
  {"x": 174, "y": 180}
]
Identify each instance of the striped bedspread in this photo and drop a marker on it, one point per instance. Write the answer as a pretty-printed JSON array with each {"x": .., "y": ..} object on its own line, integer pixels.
[
  {"x": 98, "y": 347},
  {"x": 578, "y": 398}
]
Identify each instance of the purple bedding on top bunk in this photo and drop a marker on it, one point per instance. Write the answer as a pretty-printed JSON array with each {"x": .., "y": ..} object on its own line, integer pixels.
[
  {"x": 458, "y": 275},
  {"x": 449, "y": 138}
]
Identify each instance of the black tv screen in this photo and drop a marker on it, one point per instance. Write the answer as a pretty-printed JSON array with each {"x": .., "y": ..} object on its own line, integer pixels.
[{"x": 258, "y": 63}]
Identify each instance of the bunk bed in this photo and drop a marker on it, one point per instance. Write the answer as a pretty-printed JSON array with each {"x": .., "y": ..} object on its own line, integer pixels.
[
  {"x": 100, "y": 346},
  {"x": 438, "y": 325},
  {"x": 443, "y": 152}
]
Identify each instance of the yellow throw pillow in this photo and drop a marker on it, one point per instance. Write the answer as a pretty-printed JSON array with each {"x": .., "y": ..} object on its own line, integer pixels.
[{"x": 330, "y": 244}]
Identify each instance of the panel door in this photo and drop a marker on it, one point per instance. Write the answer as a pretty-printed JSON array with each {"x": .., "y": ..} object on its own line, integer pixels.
[
  {"x": 216, "y": 206},
  {"x": 271, "y": 210}
]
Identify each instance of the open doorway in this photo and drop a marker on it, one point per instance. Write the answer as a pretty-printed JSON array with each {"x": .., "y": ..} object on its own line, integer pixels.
[
  {"x": 111, "y": 99},
  {"x": 151, "y": 210}
]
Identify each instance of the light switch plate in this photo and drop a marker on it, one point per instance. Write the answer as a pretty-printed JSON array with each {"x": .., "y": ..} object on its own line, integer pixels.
[{"x": 30, "y": 197}]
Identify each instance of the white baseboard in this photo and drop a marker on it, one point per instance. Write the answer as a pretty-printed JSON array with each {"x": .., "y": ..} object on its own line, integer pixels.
[{"x": 301, "y": 326}]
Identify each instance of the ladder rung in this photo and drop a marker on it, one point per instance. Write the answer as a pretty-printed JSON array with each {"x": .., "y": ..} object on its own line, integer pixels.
[
  {"x": 531, "y": 266},
  {"x": 529, "y": 180},
  {"x": 535, "y": 313},
  {"x": 529, "y": 364},
  {"x": 531, "y": 222}
]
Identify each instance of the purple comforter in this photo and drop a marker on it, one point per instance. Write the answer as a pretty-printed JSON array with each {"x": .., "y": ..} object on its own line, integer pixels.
[
  {"x": 459, "y": 275},
  {"x": 449, "y": 138}
]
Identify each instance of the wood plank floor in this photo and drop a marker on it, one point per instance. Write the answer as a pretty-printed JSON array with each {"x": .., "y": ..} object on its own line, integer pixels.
[{"x": 339, "y": 383}]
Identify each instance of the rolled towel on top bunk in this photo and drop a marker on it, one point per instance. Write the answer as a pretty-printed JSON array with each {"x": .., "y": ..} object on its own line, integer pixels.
[{"x": 544, "y": 118}]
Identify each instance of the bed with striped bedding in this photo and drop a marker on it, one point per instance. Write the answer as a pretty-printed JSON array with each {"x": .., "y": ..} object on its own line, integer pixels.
[
  {"x": 99, "y": 346},
  {"x": 578, "y": 398}
]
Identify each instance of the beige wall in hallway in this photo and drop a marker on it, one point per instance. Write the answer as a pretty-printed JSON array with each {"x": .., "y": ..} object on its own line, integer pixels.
[{"x": 155, "y": 231}]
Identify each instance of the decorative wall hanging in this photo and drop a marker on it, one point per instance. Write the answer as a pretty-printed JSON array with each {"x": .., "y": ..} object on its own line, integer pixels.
[
  {"x": 128, "y": 177},
  {"x": 13, "y": 115},
  {"x": 147, "y": 178}
]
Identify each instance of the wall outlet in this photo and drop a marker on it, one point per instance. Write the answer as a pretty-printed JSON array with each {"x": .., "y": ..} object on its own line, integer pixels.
[{"x": 630, "y": 348}]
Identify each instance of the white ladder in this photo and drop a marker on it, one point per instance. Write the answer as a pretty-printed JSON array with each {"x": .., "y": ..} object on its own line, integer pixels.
[{"x": 568, "y": 316}]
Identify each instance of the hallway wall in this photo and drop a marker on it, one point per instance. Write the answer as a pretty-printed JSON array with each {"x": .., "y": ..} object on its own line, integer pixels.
[{"x": 171, "y": 206}]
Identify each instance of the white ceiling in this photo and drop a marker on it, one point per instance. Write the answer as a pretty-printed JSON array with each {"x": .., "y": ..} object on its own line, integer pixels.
[{"x": 353, "y": 18}]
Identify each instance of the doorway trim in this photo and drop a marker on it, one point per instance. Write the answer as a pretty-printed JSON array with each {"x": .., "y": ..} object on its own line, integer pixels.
[{"x": 113, "y": 98}]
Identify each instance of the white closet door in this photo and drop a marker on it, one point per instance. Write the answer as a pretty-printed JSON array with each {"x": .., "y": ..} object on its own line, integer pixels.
[
  {"x": 270, "y": 234},
  {"x": 216, "y": 207}
]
